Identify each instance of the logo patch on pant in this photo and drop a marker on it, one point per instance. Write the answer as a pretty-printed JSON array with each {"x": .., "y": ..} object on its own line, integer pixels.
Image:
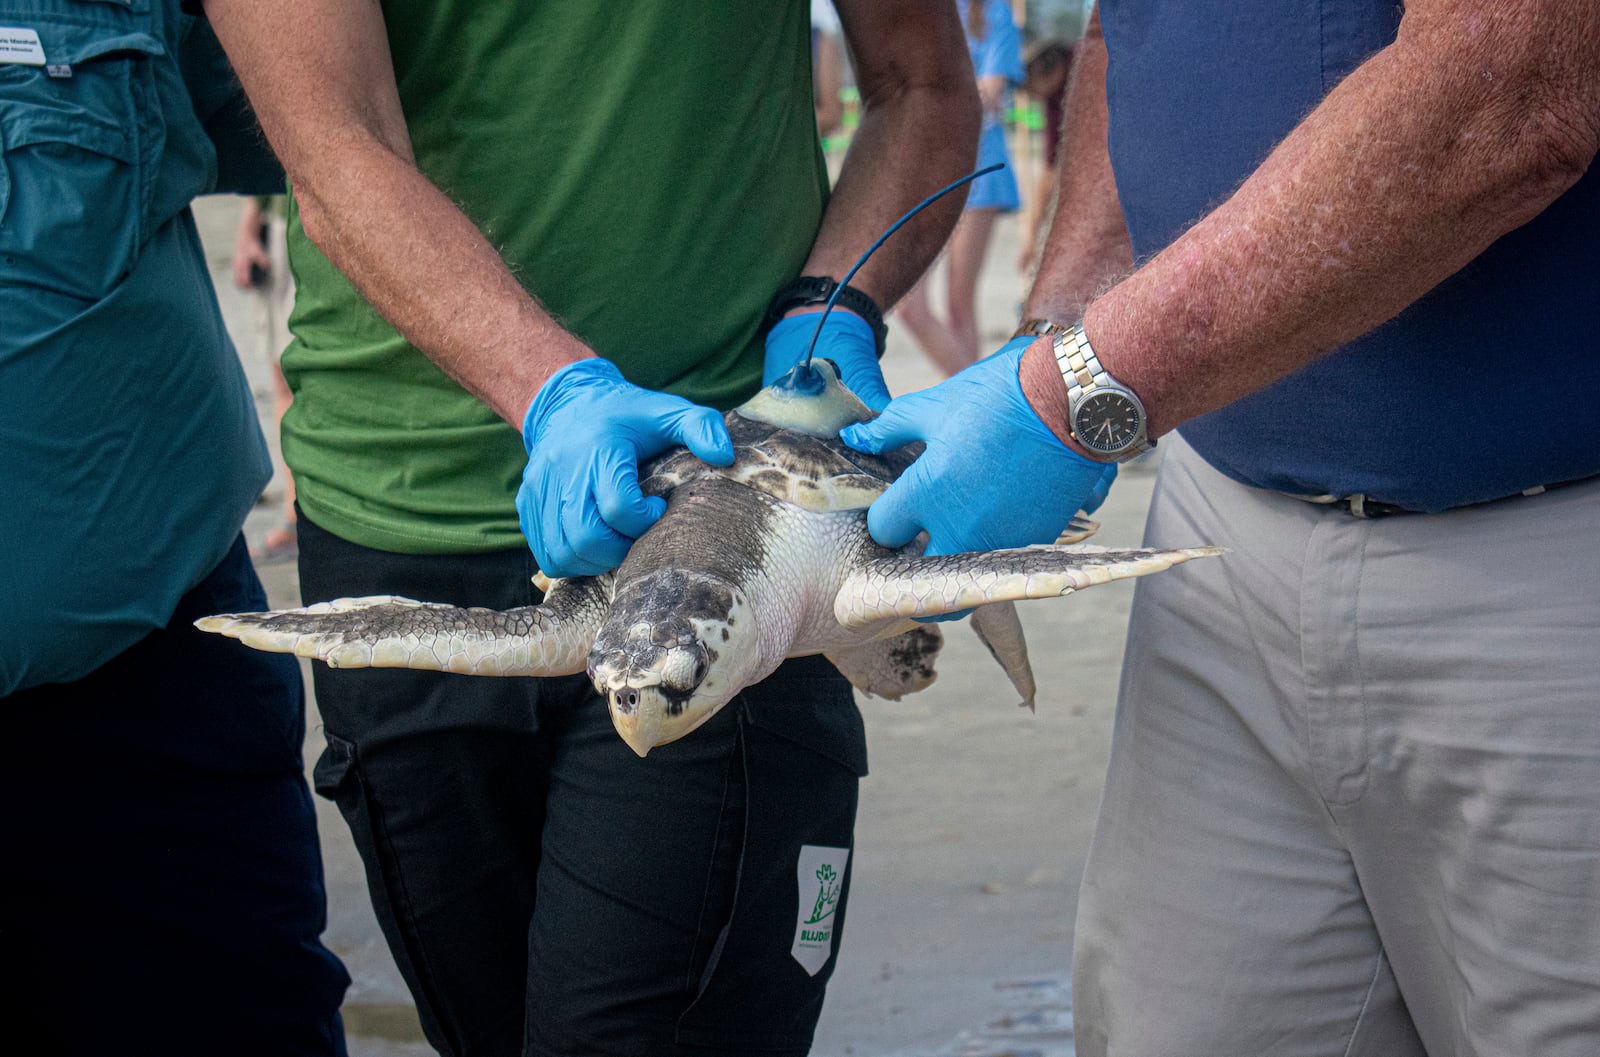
[{"x": 820, "y": 873}]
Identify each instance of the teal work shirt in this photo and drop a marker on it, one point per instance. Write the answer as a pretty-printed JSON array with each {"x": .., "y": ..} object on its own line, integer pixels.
[{"x": 129, "y": 446}]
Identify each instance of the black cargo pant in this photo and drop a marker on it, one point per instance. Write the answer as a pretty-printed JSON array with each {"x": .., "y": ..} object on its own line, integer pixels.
[
  {"x": 161, "y": 887},
  {"x": 547, "y": 892}
]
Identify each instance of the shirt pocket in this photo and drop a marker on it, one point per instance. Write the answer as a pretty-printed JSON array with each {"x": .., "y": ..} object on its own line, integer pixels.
[{"x": 79, "y": 151}]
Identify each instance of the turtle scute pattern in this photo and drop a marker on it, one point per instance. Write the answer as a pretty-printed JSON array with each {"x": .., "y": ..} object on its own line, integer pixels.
[
  {"x": 814, "y": 473},
  {"x": 903, "y": 585},
  {"x": 387, "y": 631}
]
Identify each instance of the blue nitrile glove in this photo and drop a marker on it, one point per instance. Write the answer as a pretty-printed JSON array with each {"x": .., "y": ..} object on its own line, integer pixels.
[
  {"x": 586, "y": 432},
  {"x": 846, "y": 339},
  {"x": 993, "y": 475}
]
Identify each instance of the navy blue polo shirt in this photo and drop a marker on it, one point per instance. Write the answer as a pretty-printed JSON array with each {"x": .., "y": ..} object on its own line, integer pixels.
[{"x": 1488, "y": 385}]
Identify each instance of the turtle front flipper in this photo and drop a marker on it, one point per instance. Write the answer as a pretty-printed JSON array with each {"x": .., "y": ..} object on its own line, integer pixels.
[
  {"x": 385, "y": 631},
  {"x": 892, "y": 667},
  {"x": 906, "y": 586}
]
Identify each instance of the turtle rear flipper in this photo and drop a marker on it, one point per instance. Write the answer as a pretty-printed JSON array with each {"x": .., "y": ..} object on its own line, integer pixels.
[
  {"x": 385, "y": 631},
  {"x": 903, "y": 586},
  {"x": 892, "y": 667},
  {"x": 1000, "y": 630}
]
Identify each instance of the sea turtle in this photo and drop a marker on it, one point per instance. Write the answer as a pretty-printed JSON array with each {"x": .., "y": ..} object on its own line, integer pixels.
[{"x": 765, "y": 559}]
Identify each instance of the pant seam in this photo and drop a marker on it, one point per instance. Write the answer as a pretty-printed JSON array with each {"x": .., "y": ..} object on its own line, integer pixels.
[
  {"x": 420, "y": 957},
  {"x": 694, "y": 981},
  {"x": 1366, "y": 1004}
]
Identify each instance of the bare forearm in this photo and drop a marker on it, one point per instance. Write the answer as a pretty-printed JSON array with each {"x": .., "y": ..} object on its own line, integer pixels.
[
  {"x": 918, "y": 132},
  {"x": 1474, "y": 120},
  {"x": 432, "y": 275},
  {"x": 1088, "y": 242},
  {"x": 323, "y": 87}
]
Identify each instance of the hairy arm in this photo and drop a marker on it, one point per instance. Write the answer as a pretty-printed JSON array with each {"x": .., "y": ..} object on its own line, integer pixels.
[
  {"x": 1477, "y": 117},
  {"x": 322, "y": 84},
  {"x": 918, "y": 132}
]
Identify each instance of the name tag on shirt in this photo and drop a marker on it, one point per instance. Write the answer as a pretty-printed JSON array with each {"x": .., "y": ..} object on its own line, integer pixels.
[{"x": 19, "y": 44}]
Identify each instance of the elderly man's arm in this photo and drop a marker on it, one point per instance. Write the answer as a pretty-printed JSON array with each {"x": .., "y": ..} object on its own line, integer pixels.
[
  {"x": 322, "y": 84},
  {"x": 1477, "y": 117}
]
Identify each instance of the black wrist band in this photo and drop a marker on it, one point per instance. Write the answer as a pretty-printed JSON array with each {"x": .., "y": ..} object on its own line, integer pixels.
[{"x": 815, "y": 290}]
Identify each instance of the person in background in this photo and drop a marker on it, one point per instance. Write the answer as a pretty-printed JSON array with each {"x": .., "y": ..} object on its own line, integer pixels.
[
  {"x": 827, "y": 67},
  {"x": 261, "y": 267},
  {"x": 1353, "y": 800},
  {"x": 644, "y": 232},
  {"x": 163, "y": 890},
  {"x": 996, "y": 50},
  {"x": 1049, "y": 67}
]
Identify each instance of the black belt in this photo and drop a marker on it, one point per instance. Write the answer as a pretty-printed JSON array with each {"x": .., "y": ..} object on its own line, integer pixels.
[{"x": 1364, "y": 506}]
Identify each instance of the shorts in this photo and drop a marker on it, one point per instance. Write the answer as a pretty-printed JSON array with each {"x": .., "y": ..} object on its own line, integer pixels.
[{"x": 996, "y": 190}]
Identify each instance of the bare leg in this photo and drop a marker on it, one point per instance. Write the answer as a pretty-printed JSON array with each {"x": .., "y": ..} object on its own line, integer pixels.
[
  {"x": 281, "y": 399},
  {"x": 281, "y": 541},
  {"x": 968, "y": 246},
  {"x": 938, "y": 343}
]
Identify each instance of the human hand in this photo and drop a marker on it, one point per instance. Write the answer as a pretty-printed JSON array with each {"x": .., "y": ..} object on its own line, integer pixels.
[
  {"x": 993, "y": 476},
  {"x": 586, "y": 432},
  {"x": 846, "y": 339}
]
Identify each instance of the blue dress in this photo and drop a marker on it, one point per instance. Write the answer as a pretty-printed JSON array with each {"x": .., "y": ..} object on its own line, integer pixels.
[{"x": 998, "y": 53}]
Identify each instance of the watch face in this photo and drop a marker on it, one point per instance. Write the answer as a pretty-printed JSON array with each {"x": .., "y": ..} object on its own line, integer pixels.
[{"x": 1107, "y": 422}]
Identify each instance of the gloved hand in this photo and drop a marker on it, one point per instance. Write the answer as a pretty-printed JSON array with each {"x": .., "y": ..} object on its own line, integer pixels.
[
  {"x": 846, "y": 339},
  {"x": 586, "y": 432},
  {"x": 993, "y": 475}
]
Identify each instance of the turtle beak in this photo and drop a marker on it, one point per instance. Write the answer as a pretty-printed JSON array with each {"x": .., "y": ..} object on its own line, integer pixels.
[
  {"x": 640, "y": 739},
  {"x": 644, "y": 719},
  {"x": 638, "y": 726}
]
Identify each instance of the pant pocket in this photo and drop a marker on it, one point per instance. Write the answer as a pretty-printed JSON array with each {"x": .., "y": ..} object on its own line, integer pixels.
[{"x": 337, "y": 776}]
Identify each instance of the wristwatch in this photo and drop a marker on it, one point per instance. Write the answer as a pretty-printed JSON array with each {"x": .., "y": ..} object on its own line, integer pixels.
[
  {"x": 815, "y": 290},
  {"x": 1105, "y": 416}
]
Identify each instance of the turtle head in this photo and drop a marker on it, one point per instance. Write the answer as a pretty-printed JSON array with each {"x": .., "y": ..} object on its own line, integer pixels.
[{"x": 676, "y": 647}]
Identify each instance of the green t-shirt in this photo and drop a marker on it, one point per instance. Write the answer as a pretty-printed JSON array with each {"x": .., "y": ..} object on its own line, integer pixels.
[{"x": 651, "y": 173}]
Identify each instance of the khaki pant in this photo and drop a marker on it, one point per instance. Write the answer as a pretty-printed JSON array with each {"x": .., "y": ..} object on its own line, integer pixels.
[{"x": 1353, "y": 805}]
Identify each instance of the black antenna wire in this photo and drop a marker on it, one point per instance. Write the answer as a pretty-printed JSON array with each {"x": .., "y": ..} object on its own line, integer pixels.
[{"x": 896, "y": 226}]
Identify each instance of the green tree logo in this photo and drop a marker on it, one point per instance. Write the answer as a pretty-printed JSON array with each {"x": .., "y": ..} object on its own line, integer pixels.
[{"x": 827, "y": 894}]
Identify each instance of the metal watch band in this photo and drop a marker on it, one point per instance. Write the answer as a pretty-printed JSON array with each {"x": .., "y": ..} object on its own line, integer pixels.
[
  {"x": 815, "y": 290},
  {"x": 1038, "y": 328},
  {"x": 1081, "y": 370}
]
